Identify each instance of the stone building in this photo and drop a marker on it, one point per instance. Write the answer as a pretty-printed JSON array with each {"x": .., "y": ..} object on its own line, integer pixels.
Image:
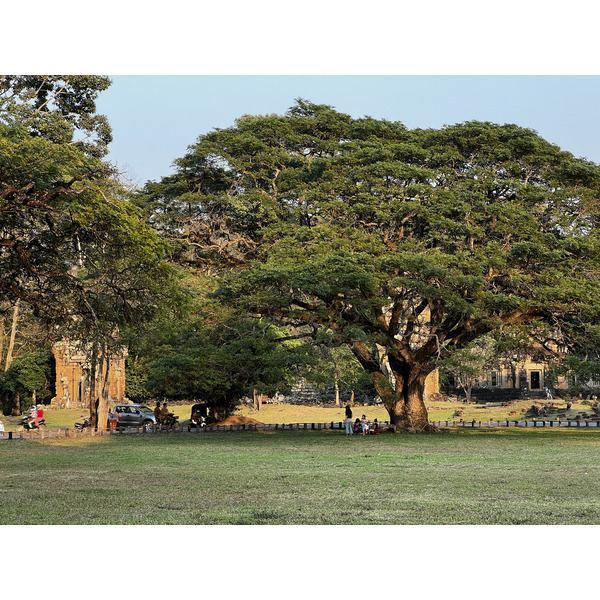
[
  {"x": 73, "y": 376},
  {"x": 513, "y": 380}
]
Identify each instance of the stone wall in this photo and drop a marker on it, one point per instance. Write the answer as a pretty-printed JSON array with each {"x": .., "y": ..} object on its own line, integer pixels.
[{"x": 73, "y": 376}]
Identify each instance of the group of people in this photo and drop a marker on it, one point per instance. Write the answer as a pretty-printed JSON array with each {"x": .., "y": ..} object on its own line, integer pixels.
[{"x": 360, "y": 426}]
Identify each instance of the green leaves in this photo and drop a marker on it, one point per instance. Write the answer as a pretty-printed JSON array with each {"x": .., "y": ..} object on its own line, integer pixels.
[
  {"x": 60, "y": 109},
  {"x": 29, "y": 373},
  {"x": 361, "y": 225},
  {"x": 71, "y": 245}
]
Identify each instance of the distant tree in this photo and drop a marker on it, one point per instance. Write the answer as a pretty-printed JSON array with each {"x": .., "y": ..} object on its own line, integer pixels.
[
  {"x": 406, "y": 244},
  {"x": 29, "y": 374},
  {"x": 581, "y": 373},
  {"x": 73, "y": 248},
  {"x": 337, "y": 368},
  {"x": 222, "y": 362},
  {"x": 470, "y": 364},
  {"x": 136, "y": 380}
]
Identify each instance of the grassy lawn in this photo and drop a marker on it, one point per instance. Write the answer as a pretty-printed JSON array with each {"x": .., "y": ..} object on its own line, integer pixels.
[
  {"x": 440, "y": 411},
  {"x": 312, "y": 477}
]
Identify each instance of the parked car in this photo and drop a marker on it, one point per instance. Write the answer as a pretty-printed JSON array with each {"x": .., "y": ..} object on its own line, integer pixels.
[{"x": 136, "y": 415}]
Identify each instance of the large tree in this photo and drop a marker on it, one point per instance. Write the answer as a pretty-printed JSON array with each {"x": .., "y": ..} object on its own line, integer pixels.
[
  {"x": 406, "y": 245},
  {"x": 73, "y": 248}
]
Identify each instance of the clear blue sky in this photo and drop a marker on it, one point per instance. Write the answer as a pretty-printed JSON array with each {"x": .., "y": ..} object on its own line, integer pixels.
[{"x": 155, "y": 118}]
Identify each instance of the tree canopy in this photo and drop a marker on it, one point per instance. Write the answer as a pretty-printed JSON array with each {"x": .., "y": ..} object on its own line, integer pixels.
[
  {"x": 59, "y": 108},
  {"x": 73, "y": 247},
  {"x": 406, "y": 245},
  {"x": 71, "y": 244}
]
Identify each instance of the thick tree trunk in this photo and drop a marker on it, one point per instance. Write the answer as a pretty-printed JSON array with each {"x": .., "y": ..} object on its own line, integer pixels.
[
  {"x": 103, "y": 394},
  {"x": 400, "y": 383},
  {"x": 405, "y": 404},
  {"x": 218, "y": 412},
  {"x": 93, "y": 390}
]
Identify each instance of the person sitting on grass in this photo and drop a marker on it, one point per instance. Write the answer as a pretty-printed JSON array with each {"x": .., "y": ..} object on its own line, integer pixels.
[
  {"x": 374, "y": 427},
  {"x": 364, "y": 425},
  {"x": 357, "y": 427}
]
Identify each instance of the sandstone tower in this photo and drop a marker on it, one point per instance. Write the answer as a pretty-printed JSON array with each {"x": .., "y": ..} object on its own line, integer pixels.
[{"x": 73, "y": 376}]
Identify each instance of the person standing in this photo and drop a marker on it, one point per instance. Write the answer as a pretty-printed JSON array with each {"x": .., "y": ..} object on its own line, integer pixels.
[
  {"x": 348, "y": 420},
  {"x": 113, "y": 420}
]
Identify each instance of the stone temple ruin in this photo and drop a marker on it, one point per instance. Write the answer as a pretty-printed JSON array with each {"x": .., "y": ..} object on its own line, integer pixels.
[{"x": 73, "y": 376}]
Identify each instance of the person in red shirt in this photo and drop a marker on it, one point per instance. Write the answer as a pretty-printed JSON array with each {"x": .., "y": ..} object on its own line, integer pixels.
[{"x": 39, "y": 415}]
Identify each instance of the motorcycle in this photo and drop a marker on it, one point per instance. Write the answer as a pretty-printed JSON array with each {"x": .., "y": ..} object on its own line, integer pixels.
[
  {"x": 169, "y": 422},
  {"x": 28, "y": 424},
  {"x": 87, "y": 424}
]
